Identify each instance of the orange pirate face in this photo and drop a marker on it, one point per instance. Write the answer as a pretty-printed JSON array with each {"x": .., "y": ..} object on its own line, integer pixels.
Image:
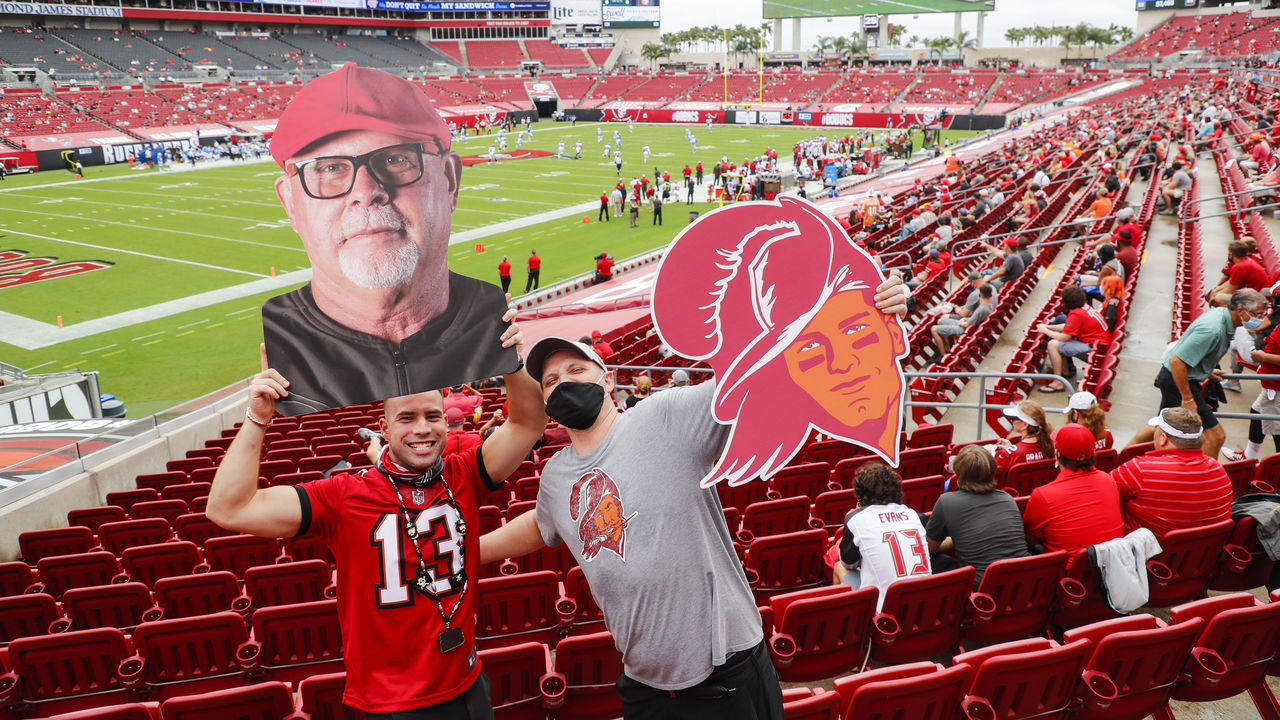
[{"x": 596, "y": 505}]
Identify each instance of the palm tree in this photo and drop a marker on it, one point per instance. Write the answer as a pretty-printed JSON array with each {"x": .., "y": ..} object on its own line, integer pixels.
[
  {"x": 653, "y": 52},
  {"x": 964, "y": 41},
  {"x": 1015, "y": 35},
  {"x": 938, "y": 45},
  {"x": 823, "y": 44},
  {"x": 1040, "y": 34},
  {"x": 896, "y": 33},
  {"x": 913, "y": 41}
]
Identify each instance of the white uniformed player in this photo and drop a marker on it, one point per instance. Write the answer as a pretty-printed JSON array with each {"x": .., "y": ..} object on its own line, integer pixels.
[
  {"x": 605, "y": 154},
  {"x": 493, "y": 154},
  {"x": 577, "y": 149},
  {"x": 617, "y": 160},
  {"x": 560, "y": 149},
  {"x": 646, "y": 154}
]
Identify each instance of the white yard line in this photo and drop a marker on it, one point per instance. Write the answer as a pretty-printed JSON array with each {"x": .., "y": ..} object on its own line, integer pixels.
[
  {"x": 133, "y": 252},
  {"x": 162, "y": 230}
]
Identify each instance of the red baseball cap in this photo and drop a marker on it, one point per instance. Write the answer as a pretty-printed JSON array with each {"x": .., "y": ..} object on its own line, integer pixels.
[
  {"x": 1074, "y": 441},
  {"x": 596, "y": 334},
  {"x": 453, "y": 416},
  {"x": 356, "y": 98},
  {"x": 1011, "y": 241}
]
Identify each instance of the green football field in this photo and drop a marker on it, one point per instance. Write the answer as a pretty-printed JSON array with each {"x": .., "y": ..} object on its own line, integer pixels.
[{"x": 156, "y": 278}]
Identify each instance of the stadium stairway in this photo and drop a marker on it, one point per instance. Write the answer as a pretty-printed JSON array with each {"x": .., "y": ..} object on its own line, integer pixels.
[
  {"x": 991, "y": 90},
  {"x": 834, "y": 84}
]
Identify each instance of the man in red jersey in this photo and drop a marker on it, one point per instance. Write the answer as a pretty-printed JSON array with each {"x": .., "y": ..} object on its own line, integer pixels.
[
  {"x": 405, "y": 536},
  {"x": 1081, "y": 506}
]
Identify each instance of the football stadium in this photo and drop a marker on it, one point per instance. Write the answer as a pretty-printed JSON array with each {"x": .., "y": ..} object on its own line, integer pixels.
[{"x": 928, "y": 470}]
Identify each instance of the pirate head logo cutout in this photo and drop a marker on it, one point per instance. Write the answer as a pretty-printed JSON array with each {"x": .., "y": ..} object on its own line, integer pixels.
[
  {"x": 596, "y": 505},
  {"x": 781, "y": 303}
]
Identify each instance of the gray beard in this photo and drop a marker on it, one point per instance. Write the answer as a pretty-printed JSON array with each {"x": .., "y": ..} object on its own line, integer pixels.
[{"x": 381, "y": 269}]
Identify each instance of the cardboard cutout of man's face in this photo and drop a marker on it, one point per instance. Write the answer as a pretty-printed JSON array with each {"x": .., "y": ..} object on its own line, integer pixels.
[{"x": 778, "y": 300}]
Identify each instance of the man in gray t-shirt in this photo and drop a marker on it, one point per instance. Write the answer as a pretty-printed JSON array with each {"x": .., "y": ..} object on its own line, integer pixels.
[
  {"x": 947, "y": 329},
  {"x": 1171, "y": 190}
]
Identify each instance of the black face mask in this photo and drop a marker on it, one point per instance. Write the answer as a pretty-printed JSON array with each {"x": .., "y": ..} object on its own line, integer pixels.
[{"x": 576, "y": 405}]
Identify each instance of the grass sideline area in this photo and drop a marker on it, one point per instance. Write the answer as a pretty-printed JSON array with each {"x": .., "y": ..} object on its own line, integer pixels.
[{"x": 169, "y": 237}]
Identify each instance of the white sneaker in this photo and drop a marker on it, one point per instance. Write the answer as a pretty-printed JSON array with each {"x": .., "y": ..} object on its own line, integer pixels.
[
  {"x": 1232, "y": 385},
  {"x": 1229, "y": 455}
]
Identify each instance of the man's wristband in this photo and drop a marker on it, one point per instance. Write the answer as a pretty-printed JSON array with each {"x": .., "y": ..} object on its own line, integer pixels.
[{"x": 249, "y": 416}]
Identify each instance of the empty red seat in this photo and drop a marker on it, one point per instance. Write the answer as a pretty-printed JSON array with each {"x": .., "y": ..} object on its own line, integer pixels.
[
  {"x": 740, "y": 496},
  {"x": 197, "y": 528},
  {"x": 65, "y": 672},
  {"x": 1143, "y": 656},
  {"x": 516, "y": 680},
  {"x": 296, "y": 478},
  {"x": 159, "y": 481},
  {"x": 774, "y": 517},
  {"x": 920, "y": 494},
  {"x": 37, "y": 544},
  {"x": 922, "y": 690},
  {"x": 185, "y": 655},
  {"x": 780, "y": 563},
  {"x": 307, "y": 547},
  {"x": 116, "y": 537},
  {"x": 27, "y": 616},
  {"x": 15, "y": 578},
  {"x": 587, "y": 616},
  {"x": 520, "y": 608},
  {"x": 832, "y": 506},
  {"x": 127, "y": 498},
  {"x": 320, "y": 698},
  {"x": 1232, "y": 653},
  {"x": 322, "y": 463},
  {"x": 237, "y": 553},
  {"x": 186, "y": 492},
  {"x": 123, "y": 606},
  {"x": 842, "y": 472},
  {"x": 1027, "y": 678},
  {"x": 166, "y": 509},
  {"x": 1020, "y": 593},
  {"x": 289, "y": 583},
  {"x": 189, "y": 464},
  {"x": 291, "y": 642},
  {"x": 802, "y": 704},
  {"x": 589, "y": 664},
  {"x": 820, "y": 632},
  {"x": 204, "y": 594},
  {"x": 1190, "y": 558},
  {"x": 931, "y": 435},
  {"x": 63, "y": 572},
  {"x": 805, "y": 480},
  {"x": 95, "y": 517},
  {"x": 129, "y": 711},
  {"x": 1257, "y": 571},
  {"x": 264, "y": 701},
  {"x": 922, "y": 616},
  {"x": 828, "y": 451},
  {"x": 1021, "y": 478},
  {"x": 269, "y": 469},
  {"x": 922, "y": 462},
  {"x": 148, "y": 563},
  {"x": 1133, "y": 451}
]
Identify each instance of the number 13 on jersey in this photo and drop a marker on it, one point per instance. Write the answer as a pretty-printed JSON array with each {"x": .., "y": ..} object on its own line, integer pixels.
[
  {"x": 438, "y": 541},
  {"x": 915, "y": 546}
]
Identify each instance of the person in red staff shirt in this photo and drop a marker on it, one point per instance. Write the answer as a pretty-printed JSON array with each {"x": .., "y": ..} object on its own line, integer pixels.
[
  {"x": 504, "y": 273},
  {"x": 603, "y": 215},
  {"x": 604, "y": 268},
  {"x": 534, "y": 264}
]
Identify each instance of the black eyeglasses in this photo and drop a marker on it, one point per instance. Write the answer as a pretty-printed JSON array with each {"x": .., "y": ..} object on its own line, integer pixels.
[{"x": 333, "y": 176}]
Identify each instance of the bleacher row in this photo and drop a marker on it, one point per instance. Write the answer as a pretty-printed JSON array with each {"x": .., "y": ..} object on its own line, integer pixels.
[{"x": 1213, "y": 37}]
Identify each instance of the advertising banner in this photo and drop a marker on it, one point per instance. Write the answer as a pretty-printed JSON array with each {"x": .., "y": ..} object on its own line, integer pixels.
[{"x": 575, "y": 12}]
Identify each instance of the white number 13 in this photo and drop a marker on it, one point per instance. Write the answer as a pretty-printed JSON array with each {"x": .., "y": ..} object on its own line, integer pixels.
[{"x": 391, "y": 539}]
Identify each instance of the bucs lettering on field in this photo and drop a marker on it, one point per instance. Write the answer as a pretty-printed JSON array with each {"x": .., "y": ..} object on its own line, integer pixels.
[
  {"x": 17, "y": 268},
  {"x": 596, "y": 505}
]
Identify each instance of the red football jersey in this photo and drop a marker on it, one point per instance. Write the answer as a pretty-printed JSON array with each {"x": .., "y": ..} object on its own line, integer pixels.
[{"x": 389, "y": 630}]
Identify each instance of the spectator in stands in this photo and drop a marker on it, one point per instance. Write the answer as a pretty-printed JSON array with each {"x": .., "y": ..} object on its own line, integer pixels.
[
  {"x": 644, "y": 388},
  {"x": 679, "y": 378},
  {"x": 1112, "y": 297},
  {"x": 1099, "y": 207},
  {"x": 1257, "y": 157},
  {"x": 947, "y": 329},
  {"x": 1080, "y": 507},
  {"x": 599, "y": 345},
  {"x": 381, "y": 287},
  {"x": 385, "y": 672},
  {"x": 604, "y": 268},
  {"x": 1175, "y": 486},
  {"x": 1193, "y": 360},
  {"x": 458, "y": 440},
  {"x": 464, "y": 398},
  {"x": 1035, "y": 441},
  {"x": 1012, "y": 265},
  {"x": 1083, "y": 409},
  {"x": 1126, "y": 253},
  {"x": 1124, "y": 222},
  {"x": 982, "y": 205},
  {"x": 1244, "y": 272},
  {"x": 977, "y": 521},
  {"x": 1267, "y": 402},
  {"x": 1172, "y": 189},
  {"x": 1105, "y": 258},
  {"x": 877, "y": 547},
  {"x": 1083, "y": 329}
]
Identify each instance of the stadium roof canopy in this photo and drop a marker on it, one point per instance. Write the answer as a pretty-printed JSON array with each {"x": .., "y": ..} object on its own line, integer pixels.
[{"x": 844, "y": 8}]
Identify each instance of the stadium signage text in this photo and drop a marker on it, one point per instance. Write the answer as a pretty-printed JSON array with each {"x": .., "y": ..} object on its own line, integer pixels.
[
  {"x": 63, "y": 426},
  {"x": 16, "y": 268},
  {"x": 27, "y": 8},
  {"x": 112, "y": 154},
  {"x": 690, "y": 116},
  {"x": 838, "y": 119}
]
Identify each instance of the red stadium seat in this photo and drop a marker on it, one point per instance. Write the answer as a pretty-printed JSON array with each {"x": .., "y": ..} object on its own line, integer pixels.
[
  {"x": 269, "y": 469},
  {"x": 806, "y": 480},
  {"x": 1021, "y": 478},
  {"x": 1028, "y": 678},
  {"x": 1082, "y": 579},
  {"x": 490, "y": 518},
  {"x": 127, "y": 498},
  {"x": 780, "y": 563},
  {"x": 15, "y": 578},
  {"x": 307, "y": 547},
  {"x": 188, "y": 464},
  {"x": 1232, "y": 653},
  {"x": 1181, "y": 573},
  {"x": 203, "y": 594},
  {"x": 116, "y": 537},
  {"x": 185, "y": 655},
  {"x": 920, "y": 494},
  {"x": 805, "y": 705},
  {"x": 922, "y": 690},
  {"x": 1133, "y": 451},
  {"x": 740, "y": 496},
  {"x": 587, "y": 616},
  {"x": 516, "y": 679},
  {"x": 37, "y": 544},
  {"x": 1259, "y": 568},
  {"x": 842, "y": 472},
  {"x": 832, "y": 506},
  {"x": 1020, "y": 593},
  {"x": 1143, "y": 656},
  {"x": 1240, "y": 473},
  {"x": 589, "y": 664},
  {"x": 555, "y": 558},
  {"x": 130, "y": 711},
  {"x": 922, "y": 462},
  {"x": 148, "y": 563},
  {"x": 63, "y": 572},
  {"x": 119, "y": 606},
  {"x": 295, "y": 478},
  {"x": 185, "y": 492},
  {"x": 289, "y": 583},
  {"x": 27, "y": 616},
  {"x": 197, "y": 528},
  {"x": 320, "y": 698},
  {"x": 95, "y": 517},
  {"x": 292, "y": 642},
  {"x": 922, "y": 616},
  {"x": 820, "y": 632},
  {"x": 65, "y": 672},
  {"x": 774, "y": 517},
  {"x": 520, "y": 608},
  {"x": 265, "y": 701},
  {"x": 828, "y": 451},
  {"x": 166, "y": 509},
  {"x": 238, "y": 553},
  {"x": 931, "y": 435}
]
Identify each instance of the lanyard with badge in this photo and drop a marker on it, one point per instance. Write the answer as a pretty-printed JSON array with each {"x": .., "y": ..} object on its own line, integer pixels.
[{"x": 451, "y": 638}]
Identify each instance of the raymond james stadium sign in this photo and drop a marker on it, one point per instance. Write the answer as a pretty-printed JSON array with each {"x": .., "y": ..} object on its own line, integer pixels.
[{"x": 27, "y": 8}]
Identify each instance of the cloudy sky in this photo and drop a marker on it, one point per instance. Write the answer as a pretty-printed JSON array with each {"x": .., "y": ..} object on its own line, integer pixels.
[{"x": 681, "y": 14}]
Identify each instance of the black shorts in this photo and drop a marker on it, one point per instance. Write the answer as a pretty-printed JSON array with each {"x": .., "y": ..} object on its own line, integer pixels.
[
  {"x": 473, "y": 704},
  {"x": 1171, "y": 397},
  {"x": 745, "y": 687}
]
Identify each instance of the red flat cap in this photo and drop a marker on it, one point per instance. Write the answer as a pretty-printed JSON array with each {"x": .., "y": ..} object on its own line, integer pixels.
[{"x": 356, "y": 98}]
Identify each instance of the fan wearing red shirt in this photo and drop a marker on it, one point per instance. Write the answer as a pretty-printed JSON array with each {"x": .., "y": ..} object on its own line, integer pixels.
[
  {"x": 1244, "y": 272},
  {"x": 1081, "y": 506},
  {"x": 1083, "y": 330},
  {"x": 407, "y": 566},
  {"x": 1175, "y": 486},
  {"x": 458, "y": 441},
  {"x": 600, "y": 345},
  {"x": 604, "y": 268}
]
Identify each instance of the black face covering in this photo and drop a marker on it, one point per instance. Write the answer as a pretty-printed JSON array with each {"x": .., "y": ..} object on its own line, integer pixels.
[{"x": 576, "y": 405}]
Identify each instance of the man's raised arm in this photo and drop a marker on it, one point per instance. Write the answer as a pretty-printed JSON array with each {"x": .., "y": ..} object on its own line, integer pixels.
[{"x": 510, "y": 444}]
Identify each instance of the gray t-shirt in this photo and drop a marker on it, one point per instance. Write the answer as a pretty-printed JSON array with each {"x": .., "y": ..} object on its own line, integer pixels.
[
  {"x": 1181, "y": 180},
  {"x": 663, "y": 568},
  {"x": 985, "y": 527},
  {"x": 974, "y": 299},
  {"x": 979, "y": 314},
  {"x": 1013, "y": 267}
]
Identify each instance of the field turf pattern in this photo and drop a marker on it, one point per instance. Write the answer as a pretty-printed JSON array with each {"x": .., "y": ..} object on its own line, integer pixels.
[{"x": 174, "y": 234}]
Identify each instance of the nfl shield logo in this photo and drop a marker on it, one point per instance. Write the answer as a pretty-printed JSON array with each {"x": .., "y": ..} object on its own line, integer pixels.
[{"x": 419, "y": 497}]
